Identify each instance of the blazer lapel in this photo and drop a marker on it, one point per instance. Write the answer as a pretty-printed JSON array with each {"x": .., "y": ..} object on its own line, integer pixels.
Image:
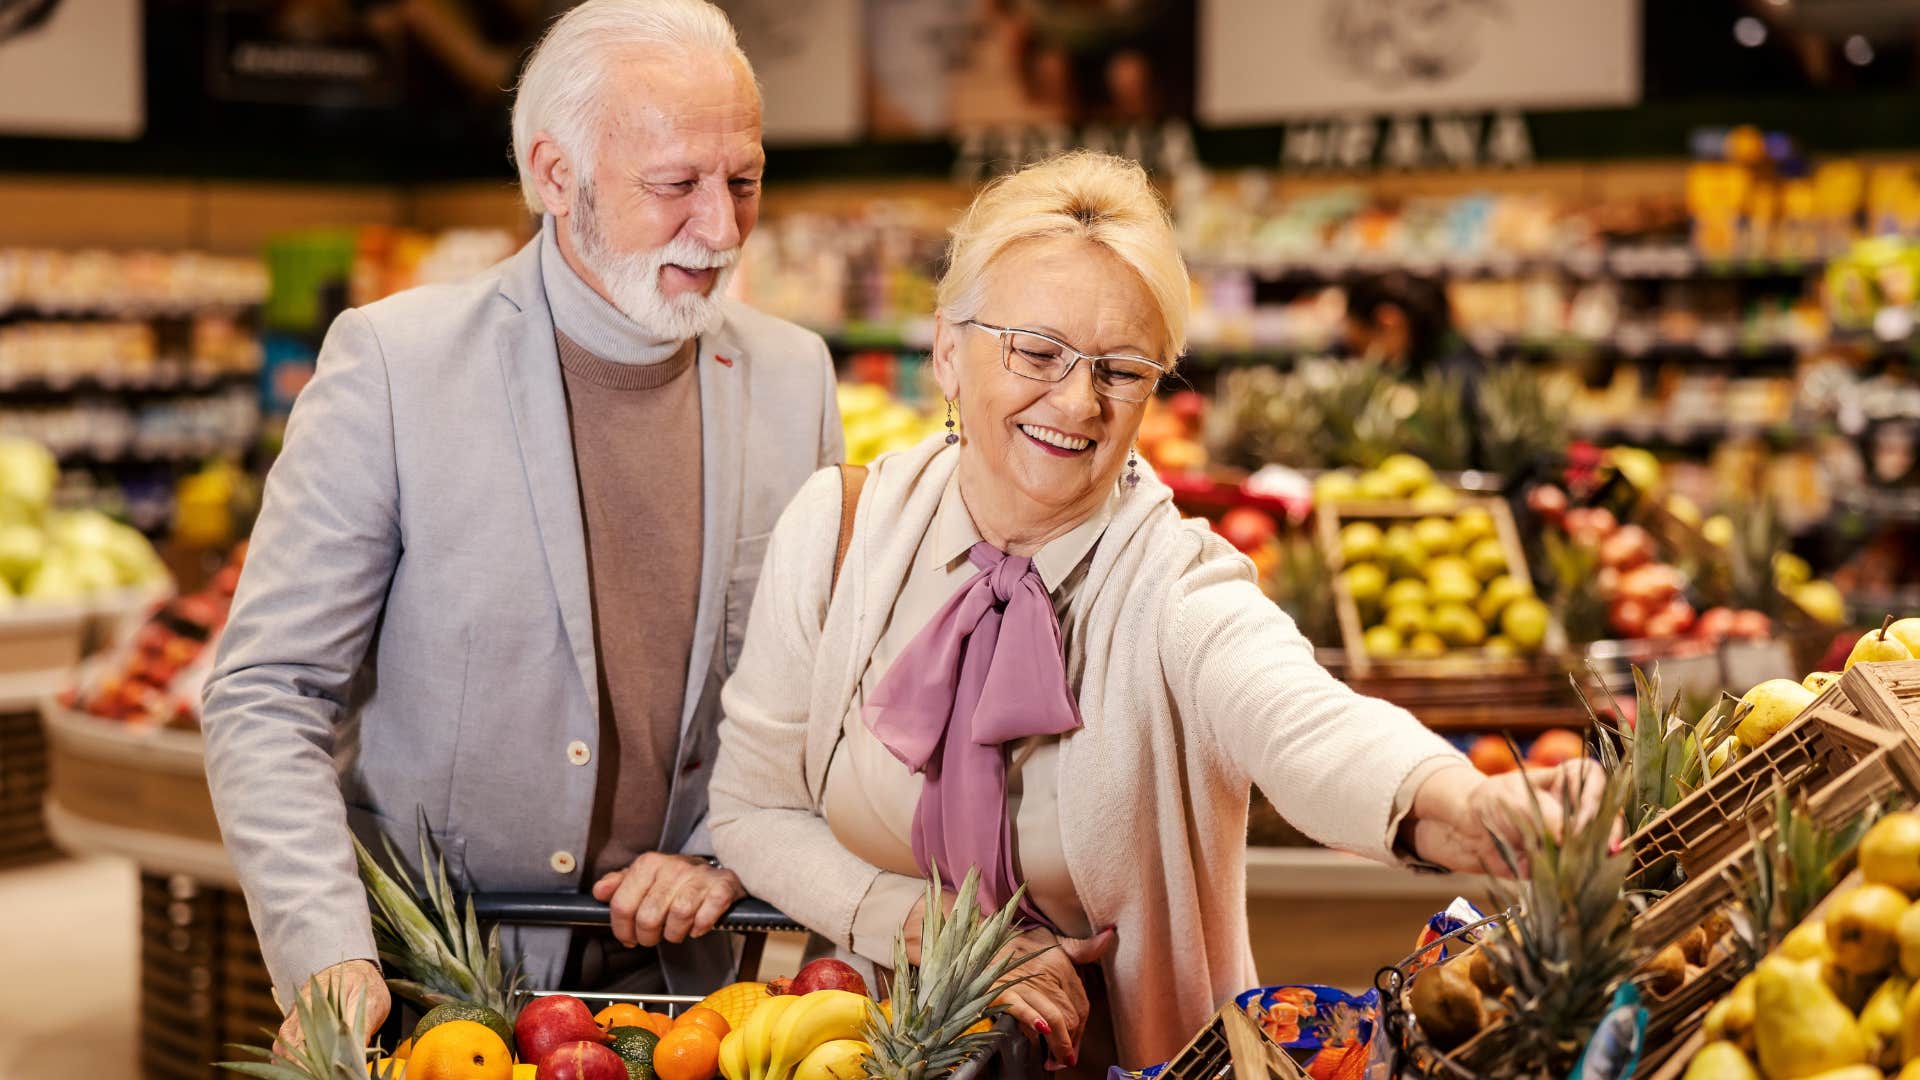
[
  {"x": 723, "y": 436},
  {"x": 530, "y": 365}
]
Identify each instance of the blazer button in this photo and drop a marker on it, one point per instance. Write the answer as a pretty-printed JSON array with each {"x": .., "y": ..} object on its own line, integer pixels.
[
  {"x": 562, "y": 862},
  {"x": 578, "y": 753}
]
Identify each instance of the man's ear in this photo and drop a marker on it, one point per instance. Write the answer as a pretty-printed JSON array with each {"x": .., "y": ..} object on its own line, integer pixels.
[{"x": 553, "y": 175}]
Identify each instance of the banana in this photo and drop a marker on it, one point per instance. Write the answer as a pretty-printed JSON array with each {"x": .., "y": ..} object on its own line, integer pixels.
[
  {"x": 756, "y": 1035},
  {"x": 733, "y": 1057},
  {"x": 822, "y": 1016},
  {"x": 837, "y": 1059}
]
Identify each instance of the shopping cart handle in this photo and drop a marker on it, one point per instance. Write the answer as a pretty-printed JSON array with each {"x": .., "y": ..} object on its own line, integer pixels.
[{"x": 749, "y": 916}]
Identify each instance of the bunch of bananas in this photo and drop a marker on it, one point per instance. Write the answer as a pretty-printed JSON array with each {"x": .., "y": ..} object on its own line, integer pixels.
[{"x": 815, "y": 1036}]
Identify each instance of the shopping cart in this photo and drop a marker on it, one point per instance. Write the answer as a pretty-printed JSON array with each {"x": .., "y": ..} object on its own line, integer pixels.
[{"x": 1010, "y": 1057}]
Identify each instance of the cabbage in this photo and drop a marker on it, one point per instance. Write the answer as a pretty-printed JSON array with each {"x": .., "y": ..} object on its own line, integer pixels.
[
  {"x": 28, "y": 473},
  {"x": 22, "y": 547}
]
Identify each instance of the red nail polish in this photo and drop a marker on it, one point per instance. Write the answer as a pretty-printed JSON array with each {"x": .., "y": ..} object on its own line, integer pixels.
[
  {"x": 1073, "y": 1059},
  {"x": 1042, "y": 1027}
]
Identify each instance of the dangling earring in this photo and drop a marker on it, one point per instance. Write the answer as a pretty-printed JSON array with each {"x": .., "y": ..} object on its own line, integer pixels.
[
  {"x": 1132, "y": 479},
  {"x": 952, "y": 435}
]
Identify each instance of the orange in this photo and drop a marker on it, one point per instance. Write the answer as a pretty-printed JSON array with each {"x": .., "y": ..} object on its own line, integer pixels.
[
  {"x": 460, "y": 1050},
  {"x": 658, "y": 1023},
  {"x": 706, "y": 1018},
  {"x": 621, "y": 1014},
  {"x": 404, "y": 1050},
  {"x": 688, "y": 1052}
]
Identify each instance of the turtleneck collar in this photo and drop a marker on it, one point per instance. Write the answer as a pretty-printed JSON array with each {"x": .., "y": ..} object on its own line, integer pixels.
[{"x": 586, "y": 317}]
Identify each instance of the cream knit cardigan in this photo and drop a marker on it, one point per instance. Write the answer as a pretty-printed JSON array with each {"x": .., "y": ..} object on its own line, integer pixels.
[{"x": 1192, "y": 685}]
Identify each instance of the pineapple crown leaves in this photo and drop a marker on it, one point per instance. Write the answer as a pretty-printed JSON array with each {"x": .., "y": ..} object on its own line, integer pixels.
[
  {"x": 952, "y": 989},
  {"x": 334, "y": 1045},
  {"x": 1569, "y": 944},
  {"x": 1796, "y": 864},
  {"x": 439, "y": 947},
  {"x": 1663, "y": 754}
]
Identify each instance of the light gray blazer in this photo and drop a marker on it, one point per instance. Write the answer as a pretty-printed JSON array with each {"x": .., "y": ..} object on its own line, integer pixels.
[{"x": 413, "y": 628}]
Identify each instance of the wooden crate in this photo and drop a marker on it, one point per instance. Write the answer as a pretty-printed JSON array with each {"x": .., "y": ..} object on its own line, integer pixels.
[
  {"x": 1233, "y": 1045},
  {"x": 1888, "y": 694},
  {"x": 203, "y": 984},
  {"x": 1714, "y": 822},
  {"x": 1458, "y": 663}
]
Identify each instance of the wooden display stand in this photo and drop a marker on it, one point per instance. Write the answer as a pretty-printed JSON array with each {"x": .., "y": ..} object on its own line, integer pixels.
[{"x": 39, "y": 648}]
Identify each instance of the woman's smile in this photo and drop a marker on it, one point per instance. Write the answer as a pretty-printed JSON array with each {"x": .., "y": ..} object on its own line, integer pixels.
[{"x": 1056, "y": 442}]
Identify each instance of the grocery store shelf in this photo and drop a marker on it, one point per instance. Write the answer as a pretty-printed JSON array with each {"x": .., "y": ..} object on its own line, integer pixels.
[
  {"x": 1627, "y": 263},
  {"x": 166, "y": 382},
  {"x": 148, "y": 456},
  {"x": 92, "y": 312}
]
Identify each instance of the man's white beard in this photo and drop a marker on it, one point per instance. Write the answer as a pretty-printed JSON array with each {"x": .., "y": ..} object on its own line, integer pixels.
[{"x": 632, "y": 279}]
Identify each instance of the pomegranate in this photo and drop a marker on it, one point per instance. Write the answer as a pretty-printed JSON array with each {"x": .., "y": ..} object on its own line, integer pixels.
[
  {"x": 827, "y": 974},
  {"x": 547, "y": 1023},
  {"x": 581, "y": 1061}
]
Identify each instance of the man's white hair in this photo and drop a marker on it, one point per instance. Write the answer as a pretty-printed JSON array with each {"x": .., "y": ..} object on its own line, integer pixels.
[{"x": 559, "y": 90}]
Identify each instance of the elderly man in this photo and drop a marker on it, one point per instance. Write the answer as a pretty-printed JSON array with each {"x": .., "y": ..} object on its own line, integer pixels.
[{"x": 506, "y": 557}]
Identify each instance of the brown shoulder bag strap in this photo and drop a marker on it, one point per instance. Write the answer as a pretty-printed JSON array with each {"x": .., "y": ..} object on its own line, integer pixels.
[{"x": 852, "y": 479}]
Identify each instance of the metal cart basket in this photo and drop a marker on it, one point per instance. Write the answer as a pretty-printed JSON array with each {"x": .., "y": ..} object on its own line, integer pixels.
[{"x": 1009, "y": 1058}]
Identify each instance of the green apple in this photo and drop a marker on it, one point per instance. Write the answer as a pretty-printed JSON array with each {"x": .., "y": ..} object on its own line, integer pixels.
[
  {"x": 1435, "y": 497},
  {"x": 1488, "y": 559},
  {"x": 1402, "y": 552},
  {"x": 1450, "y": 566},
  {"x": 1436, "y": 536},
  {"x": 1410, "y": 472},
  {"x": 1525, "y": 621},
  {"x": 1474, "y": 524},
  {"x": 1407, "y": 619},
  {"x": 1427, "y": 644},
  {"x": 1406, "y": 592},
  {"x": 1333, "y": 487},
  {"x": 1381, "y": 641},
  {"x": 1500, "y": 592},
  {"x": 1772, "y": 705},
  {"x": 1459, "y": 626},
  {"x": 1501, "y": 647},
  {"x": 1365, "y": 582},
  {"x": 1376, "y": 487},
  {"x": 1359, "y": 542},
  {"x": 1907, "y": 630},
  {"x": 1453, "y": 589}
]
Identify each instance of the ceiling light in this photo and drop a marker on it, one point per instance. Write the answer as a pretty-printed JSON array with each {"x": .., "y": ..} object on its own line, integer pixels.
[{"x": 1750, "y": 32}]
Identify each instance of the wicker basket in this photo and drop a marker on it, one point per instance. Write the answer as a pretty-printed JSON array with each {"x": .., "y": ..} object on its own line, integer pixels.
[
  {"x": 23, "y": 786},
  {"x": 203, "y": 985}
]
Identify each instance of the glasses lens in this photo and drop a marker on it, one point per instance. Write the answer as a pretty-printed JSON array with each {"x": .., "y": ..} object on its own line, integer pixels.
[
  {"x": 1125, "y": 378},
  {"x": 1036, "y": 357}
]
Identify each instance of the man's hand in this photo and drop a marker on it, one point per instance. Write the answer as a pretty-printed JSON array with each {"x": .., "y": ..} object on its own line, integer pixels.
[
  {"x": 1457, "y": 812},
  {"x": 667, "y": 898},
  {"x": 352, "y": 983}
]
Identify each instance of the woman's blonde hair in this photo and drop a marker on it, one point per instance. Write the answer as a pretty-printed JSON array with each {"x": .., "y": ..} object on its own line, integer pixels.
[{"x": 1099, "y": 198}]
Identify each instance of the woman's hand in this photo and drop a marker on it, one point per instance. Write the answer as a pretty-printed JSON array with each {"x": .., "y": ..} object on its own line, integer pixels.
[
  {"x": 1053, "y": 1004},
  {"x": 1457, "y": 812}
]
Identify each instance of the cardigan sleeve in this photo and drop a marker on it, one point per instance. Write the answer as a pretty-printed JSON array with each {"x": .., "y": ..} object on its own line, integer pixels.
[
  {"x": 1331, "y": 760},
  {"x": 764, "y": 823}
]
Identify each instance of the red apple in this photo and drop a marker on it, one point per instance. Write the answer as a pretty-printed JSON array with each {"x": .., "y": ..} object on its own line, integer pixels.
[
  {"x": 827, "y": 974},
  {"x": 1556, "y": 746},
  {"x": 1674, "y": 619},
  {"x": 1629, "y": 616},
  {"x": 1549, "y": 502},
  {"x": 1653, "y": 585},
  {"x": 1628, "y": 547},
  {"x": 1752, "y": 625},
  {"x": 1492, "y": 755},
  {"x": 1246, "y": 528},
  {"x": 547, "y": 1023},
  {"x": 1188, "y": 405},
  {"x": 581, "y": 1061},
  {"x": 1607, "y": 582},
  {"x": 1588, "y": 525},
  {"x": 1716, "y": 625}
]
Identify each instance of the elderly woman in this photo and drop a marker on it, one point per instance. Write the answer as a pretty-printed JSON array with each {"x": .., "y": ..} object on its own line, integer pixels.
[{"x": 1028, "y": 663}]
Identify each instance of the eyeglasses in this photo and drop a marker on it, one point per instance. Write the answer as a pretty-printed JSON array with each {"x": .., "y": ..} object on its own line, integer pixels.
[{"x": 1033, "y": 355}]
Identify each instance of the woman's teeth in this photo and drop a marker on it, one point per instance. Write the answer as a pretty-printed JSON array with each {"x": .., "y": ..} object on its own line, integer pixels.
[{"x": 1054, "y": 438}]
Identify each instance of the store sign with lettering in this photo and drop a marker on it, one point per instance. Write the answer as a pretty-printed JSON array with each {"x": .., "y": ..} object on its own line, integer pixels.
[
  {"x": 273, "y": 51},
  {"x": 1447, "y": 141},
  {"x": 985, "y": 153}
]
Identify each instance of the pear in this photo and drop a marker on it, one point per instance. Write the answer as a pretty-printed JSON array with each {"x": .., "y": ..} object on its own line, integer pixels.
[
  {"x": 1909, "y": 933},
  {"x": 1447, "y": 1005},
  {"x": 1808, "y": 941},
  {"x": 1908, "y": 631},
  {"x": 1666, "y": 972},
  {"x": 1863, "y": 928},
  {"x": 1731, "y": 1018},
  {"x": 1820, "y": 681},
  {"x": 1802, "y": 1030},
  {"x": 1480, "y": 970},
  {"x": 1774, "y": 704},
  {"x": 1720, "y": 1061},
  {"x": 1693, "y": 946},
  {"x": 1881, "y": 1020},
  {"x": 1877, "y": 646},
  {"x": 1910, "y": 1026},
  {"x": 1890, "y": 853},
  {"x": 1851, "y": 1072},
  {"x": 1911, "y": 1072},
  {"x": 1723, "y": 755}
]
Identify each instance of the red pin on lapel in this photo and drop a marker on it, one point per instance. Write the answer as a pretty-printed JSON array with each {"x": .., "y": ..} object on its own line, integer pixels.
[{"x": 724, "y": 361}]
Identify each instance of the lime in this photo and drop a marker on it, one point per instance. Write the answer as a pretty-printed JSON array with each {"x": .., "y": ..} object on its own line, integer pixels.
[{"x": 635, "y": 1047}]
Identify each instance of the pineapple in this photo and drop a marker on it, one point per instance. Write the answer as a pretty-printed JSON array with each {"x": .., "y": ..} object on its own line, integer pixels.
[
  {"x": 1795, "y": 866},
  {"x": 1568, "y": 945},
  {"x": 334, "y": 1046},
  {"x": 1439, "y": 431},
  {"x": 1577, "y": 600},
  {"x": 1664, "y": 755},
  {"x": 925, "y": 1033},
  {"x": 1300, "y": 585},
  {"x": 441, "y": 952},
  {"x": 1522, "y": 417}
]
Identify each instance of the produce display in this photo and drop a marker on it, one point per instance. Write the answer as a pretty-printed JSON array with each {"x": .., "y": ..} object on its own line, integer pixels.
[
  {"x": 60, "y": 556},
  {"x": 876, "y": 422}
]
